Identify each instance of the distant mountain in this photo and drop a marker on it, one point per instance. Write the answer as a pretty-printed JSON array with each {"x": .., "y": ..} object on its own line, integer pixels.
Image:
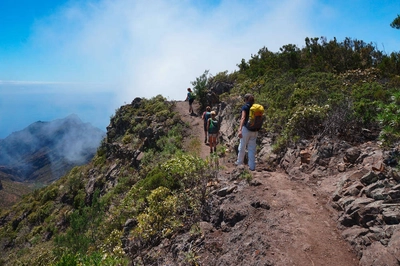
[{"x": 45, "y": 151}]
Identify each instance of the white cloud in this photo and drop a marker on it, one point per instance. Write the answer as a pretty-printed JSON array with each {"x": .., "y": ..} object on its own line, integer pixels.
[{"x": 147, "y": 48}]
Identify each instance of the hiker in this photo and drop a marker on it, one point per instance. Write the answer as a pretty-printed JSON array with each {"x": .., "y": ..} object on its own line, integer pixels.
[
  {"x": 247, "y": 137},
  {"x": 213, "y": 130},
  {"x": 190, "y": 98},
  {"x": 206, "y": 115}
]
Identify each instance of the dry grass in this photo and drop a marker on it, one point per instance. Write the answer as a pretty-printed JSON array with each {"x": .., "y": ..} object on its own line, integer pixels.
[{"x": 194, "y": 146}]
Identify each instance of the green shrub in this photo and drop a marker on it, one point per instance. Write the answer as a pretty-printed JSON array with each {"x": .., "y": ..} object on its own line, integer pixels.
[
  {"x": 139, "y": 127},
  {"x": 127, "y": 138},
  {"x": 340, "y": 118},
  {"x": 38, "y": 215},
  {"x": 163, "y": 115},
  {"x": 75, "y": 239},
  {"x": 389, "y": 119},
  {"x": 112, "y": 245},
  {"x": 94, "y": 258},
  {"x": 307, "y": 121},
  {"x": 99, "y": 159},
  {"x": 155, "y": 179},
  {"x": 83, "y": 229},
  {"x": 246, "y": 175},
  {"x": 200, "y": 86},
  {"x": 49, "y": 194},
  {"x": 169, "y": 145},
  {"x": 68, "y": 260},
  {"x": 159, "y": 219},
  {"x": 79, "y": 199},
  {"x": 366, "y": 100}
]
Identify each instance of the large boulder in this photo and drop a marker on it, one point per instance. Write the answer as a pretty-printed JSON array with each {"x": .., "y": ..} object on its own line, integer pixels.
[
  {"x": 351, "y": 155},
  {"x": 377, "y": 255}
]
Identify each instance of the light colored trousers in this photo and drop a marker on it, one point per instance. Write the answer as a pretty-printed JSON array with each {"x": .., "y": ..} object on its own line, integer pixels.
[{"x": 249, "y": 141}]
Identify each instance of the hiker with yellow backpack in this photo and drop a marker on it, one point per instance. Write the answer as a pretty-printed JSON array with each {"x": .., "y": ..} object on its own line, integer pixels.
[{"x": 250, "y": 123}]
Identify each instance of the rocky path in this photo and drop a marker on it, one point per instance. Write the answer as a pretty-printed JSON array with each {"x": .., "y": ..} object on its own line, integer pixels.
[
  {"x": 270, "y": 220},
  {"x": 196, "y": 125}
]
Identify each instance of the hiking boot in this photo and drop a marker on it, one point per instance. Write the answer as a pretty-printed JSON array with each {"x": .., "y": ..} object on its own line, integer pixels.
[
  {"x": 205, "y": 140},
  {"x": 240, "y": 167}
]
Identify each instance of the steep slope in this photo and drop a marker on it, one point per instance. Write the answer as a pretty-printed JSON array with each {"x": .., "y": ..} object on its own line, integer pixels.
[
  {"x": 76, "y": 215},
  {"x": 11, "y": 191}
]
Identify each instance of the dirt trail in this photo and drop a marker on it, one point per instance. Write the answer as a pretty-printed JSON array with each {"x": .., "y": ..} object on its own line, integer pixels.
[
  {"x": 196, "y": 124},
  {"x": 296, "y": 228}
]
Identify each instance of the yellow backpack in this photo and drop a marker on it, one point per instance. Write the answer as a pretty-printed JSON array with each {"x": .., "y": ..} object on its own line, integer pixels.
[{"x": 256, "y": 117}]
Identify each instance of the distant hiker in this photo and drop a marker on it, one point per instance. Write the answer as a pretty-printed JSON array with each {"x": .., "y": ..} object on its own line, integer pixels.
[
  {"x": 190, "y": 98},
  {"x": 206, "y": 115},
  {"x": 213, "y": 131},
  {"x": 248, "y": 128}
]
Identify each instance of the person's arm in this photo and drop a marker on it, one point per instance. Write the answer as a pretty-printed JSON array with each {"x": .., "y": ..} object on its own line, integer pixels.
[{"x": 242, "y": 122}]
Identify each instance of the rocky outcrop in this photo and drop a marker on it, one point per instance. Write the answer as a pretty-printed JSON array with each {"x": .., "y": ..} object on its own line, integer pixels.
[
  {"x": 367, "y": 195},
  {"x": 369, "y": 207},
  {"x": 216, "y": 89},
  {"x": 125, "y": 145}
]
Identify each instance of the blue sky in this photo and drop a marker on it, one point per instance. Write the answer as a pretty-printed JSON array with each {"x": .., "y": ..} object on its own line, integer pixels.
[{"x": 61, "y": 57}]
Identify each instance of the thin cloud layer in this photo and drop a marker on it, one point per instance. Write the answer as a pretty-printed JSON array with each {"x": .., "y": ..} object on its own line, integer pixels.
[{"x": 147, "y": 48}]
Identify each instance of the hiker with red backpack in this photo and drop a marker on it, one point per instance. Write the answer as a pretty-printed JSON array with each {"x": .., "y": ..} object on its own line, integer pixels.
[
  {"x": 206, "y": 115},
  {"x": 250, "y": 123}
]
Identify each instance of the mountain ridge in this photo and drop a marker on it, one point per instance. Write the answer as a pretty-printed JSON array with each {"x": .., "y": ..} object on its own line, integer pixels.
[{"x": 44, "y": 151}]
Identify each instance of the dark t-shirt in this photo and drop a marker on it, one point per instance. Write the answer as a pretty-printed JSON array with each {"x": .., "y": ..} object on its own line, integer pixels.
[
  {"x": 246, "y": 108},
  {"x": 207, "y": 115}
]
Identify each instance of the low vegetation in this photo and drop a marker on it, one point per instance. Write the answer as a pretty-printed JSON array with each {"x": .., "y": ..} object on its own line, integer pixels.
[{"x": 326, "y": 88}]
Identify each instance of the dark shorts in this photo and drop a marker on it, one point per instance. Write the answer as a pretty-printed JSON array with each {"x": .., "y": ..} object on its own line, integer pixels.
[{"x": 191, "y": 101}]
